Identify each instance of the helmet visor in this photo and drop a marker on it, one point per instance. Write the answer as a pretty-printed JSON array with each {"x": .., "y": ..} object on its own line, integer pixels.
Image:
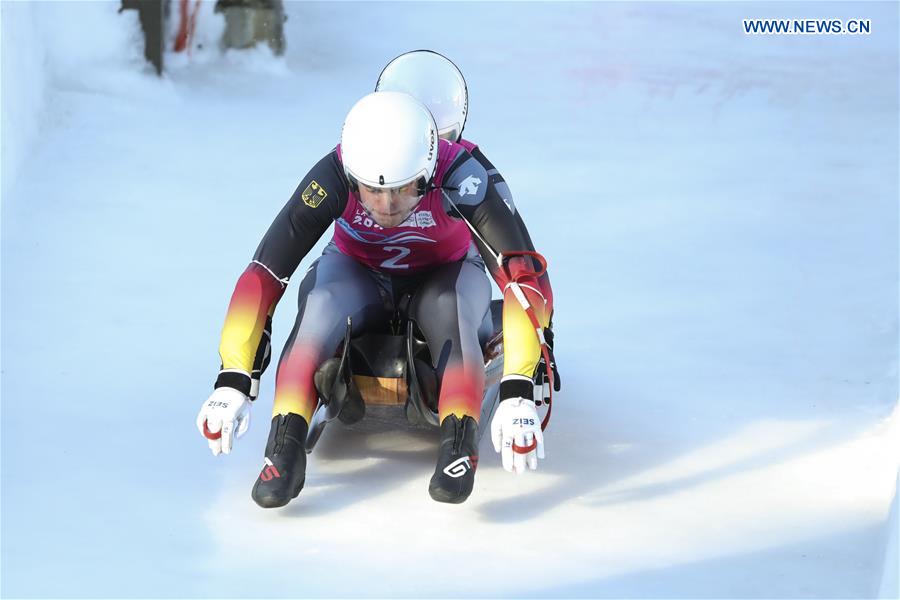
[{"x": 389, "y": 207}]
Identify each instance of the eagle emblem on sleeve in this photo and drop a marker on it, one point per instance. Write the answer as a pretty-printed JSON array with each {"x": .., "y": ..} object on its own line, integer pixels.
[{"x": 313, "y": 195}]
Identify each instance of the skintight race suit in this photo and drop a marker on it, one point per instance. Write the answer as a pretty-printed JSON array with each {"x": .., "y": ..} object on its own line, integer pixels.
[{"x": 361, "y": 274}]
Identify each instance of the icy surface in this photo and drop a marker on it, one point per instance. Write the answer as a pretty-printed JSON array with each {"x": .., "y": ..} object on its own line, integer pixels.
[{"x": 720, "y": 213}]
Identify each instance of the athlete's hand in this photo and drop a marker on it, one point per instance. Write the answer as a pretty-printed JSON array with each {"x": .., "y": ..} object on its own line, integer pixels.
[
  {"x": 516, "y": 433},
  {"x": 224, "y": 417}
]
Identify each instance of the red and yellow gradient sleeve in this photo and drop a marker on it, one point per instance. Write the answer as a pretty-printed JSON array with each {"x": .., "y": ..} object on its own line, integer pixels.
[
  {"x": 254, "y": 298},
  {"x": 521, "y": 348}
]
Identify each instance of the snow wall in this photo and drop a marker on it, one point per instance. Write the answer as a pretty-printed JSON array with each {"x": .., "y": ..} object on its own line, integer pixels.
[{"x": 41, "y": 49}]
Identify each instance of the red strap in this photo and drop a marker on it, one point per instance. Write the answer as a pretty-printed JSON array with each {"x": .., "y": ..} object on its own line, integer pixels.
[
  {"x": 209, "y": 434},
  {"x": 535, "y": 255},
  {"x": 546, "y": 420},
  {"x": 548, "y": 369},
  {"x": 525, "y": 449}
]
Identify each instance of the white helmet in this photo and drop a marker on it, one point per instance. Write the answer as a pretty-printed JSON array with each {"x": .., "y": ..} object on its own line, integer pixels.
[
  {"x": 389, "y": 139},
  {"x": 435, "y": 81}
]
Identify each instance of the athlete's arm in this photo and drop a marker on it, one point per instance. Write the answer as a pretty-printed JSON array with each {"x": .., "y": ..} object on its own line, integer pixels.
[
  {"x": 501, "y": 188},
  {"x": 465, "y": 191},
  {"x": 317, "y": 202}
]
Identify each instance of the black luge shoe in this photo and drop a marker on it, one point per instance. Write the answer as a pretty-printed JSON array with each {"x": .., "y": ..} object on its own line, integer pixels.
[
  {"x": 454, "y": 475},
  {"x": 284, "y": 471}
]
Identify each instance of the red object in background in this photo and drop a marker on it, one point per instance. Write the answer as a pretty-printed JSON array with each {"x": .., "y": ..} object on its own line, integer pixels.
[{"x": 186, "y": 25}]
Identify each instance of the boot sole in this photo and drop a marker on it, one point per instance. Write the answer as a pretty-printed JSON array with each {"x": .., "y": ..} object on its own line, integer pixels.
[
  {"x": 273, "y": 502},
  {"x": 441, "y": 495}
]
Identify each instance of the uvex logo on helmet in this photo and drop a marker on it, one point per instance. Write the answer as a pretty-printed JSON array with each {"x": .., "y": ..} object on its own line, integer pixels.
[{"x": 433, "y": 135}]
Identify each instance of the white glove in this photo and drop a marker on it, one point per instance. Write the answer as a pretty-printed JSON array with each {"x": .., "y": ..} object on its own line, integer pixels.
[
  {"x": 516, "y": 422},
  {"x": 227, "y": 411}
]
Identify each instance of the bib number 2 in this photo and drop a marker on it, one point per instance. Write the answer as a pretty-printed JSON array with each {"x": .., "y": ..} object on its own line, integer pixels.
[{"x": 394, "y": 261}]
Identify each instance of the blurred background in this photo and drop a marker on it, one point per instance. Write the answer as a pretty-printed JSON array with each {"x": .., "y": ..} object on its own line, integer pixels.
[{"x": 720, "y": 215}]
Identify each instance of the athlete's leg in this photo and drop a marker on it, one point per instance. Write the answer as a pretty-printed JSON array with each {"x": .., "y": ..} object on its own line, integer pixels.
[
  {"x": 335, "y": 287},
  {"x": 449, "y": 308}
]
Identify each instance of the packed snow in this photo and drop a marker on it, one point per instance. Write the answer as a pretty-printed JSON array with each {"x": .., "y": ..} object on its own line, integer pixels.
[{"x": 720, "y": 213}]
